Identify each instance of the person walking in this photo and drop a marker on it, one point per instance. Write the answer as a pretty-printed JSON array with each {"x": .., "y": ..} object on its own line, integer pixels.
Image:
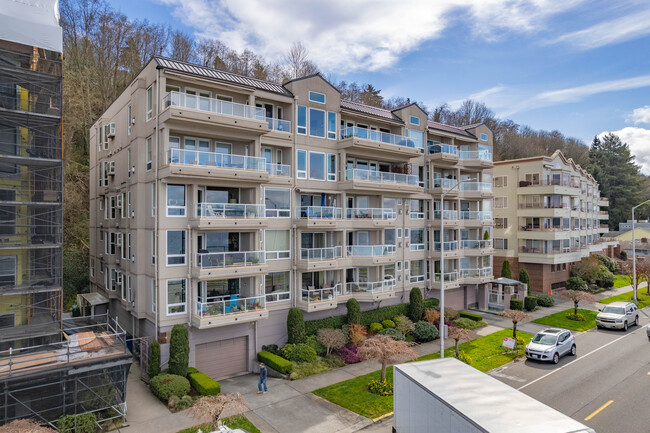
[{"x": 262, "y": 379}]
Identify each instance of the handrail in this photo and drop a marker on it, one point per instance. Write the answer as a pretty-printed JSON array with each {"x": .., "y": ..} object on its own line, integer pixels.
[
  {"x": 278, "y": 124},
  {"x": 449, "y": 245},
  {"x": 324, "y": 293},
  {"x": 230, "y": 259},
  {"x": 370, "y": 250},
  {"x": 449, "y": 276},
  {"x": 230, "y": 210},
  {"x": 213, "y": 105},
  {"x": 476, "y": 272},
  {"x": 437, "y": 147},
  {"x": 449, "y": 214},
  {"x": 372, "y": 213},
  {"x": 318, "y": 212},
  {"x": 476, "y": 186},
  {"x": 381, "y": 176},
  {"x": 315, "y": 254},
  {"x": 476, "y": 215},
  {"x": 483, "y": 155},
  {"x": 215, "y": 159},
  {"x": 373, "y": 135},
  {"x": 443, "y": 182},
  {"x": 278, "y": 169},
  {"x": 475, "y": 244},
  {"x": 230, "y": 306},
  {"x": 387, "y": 285}
]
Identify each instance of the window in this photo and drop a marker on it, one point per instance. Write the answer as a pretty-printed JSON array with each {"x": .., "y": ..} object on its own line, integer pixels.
[
  {"x": 92, "y": 267},
  {"x": 128, "y": 120},
  {"x": 150, "y": 102},
  {"x": 154, "y": 296},
  {"x": 128, "y": 204},
  {"x": 331, "y": 167},
  {"x": 316, "y": 166},
  {"x": 7, "y": 271},
  {"x": 413, "y": 120},
  {"x": 121, "y": 205},
  {"x": 175, "y": 200},
  {"x": 112, "y": 243},
  {"x": 175, "y": 247},
  {"x": 153, "y": 199},
  {"x": 501, "y": 182},
  {"x": 124, "y": 288},
  {"x": 278, "y": 202},
  {"x": 122, "y": 245},
  {"x": 331, "y": 125},
  {"x": 302, "y": 120},
  {"x": 277, "y": 286},
  {"x": 316, "y": 123},
  {"x": 317, "y": 97},
  {"x": 500, "y": 223},
  {"x": 128, "y": 245},
  {"x": 301, "y": 166},
  {"x": 389, "y": 237},
  {"x": 176, "y": 296},
  {"x": 149, "y": 152},
  {"x": 416, "y": 137},
  {"x": 277, "y": 244},
  {"x": 417, "y": 239},
  {"x": 484, "y": 137},
  {"x": 500, "y": 244},
  {"x": 500, "y": 202}
]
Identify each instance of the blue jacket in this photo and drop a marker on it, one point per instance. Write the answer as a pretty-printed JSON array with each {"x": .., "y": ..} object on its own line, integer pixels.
[{"x": 263, "y": 373}]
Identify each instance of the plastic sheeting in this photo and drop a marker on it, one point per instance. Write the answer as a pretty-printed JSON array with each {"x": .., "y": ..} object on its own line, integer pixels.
[{"x": 32, "y": 22}]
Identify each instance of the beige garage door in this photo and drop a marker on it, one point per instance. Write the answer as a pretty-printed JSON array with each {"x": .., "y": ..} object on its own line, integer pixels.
[{"x": 223, "y": 358}]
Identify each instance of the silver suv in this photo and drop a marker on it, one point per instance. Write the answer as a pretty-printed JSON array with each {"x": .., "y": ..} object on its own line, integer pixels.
[
  {"x": 550, "y": 344},
  {"x": 618, "y": 315}
]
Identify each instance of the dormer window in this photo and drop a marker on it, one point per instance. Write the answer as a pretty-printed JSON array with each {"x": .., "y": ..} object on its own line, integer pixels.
[
  {"x": 414, "y": 120},
  {"x": 484, "y": 137},
  {"x": 317, "y": 97}
]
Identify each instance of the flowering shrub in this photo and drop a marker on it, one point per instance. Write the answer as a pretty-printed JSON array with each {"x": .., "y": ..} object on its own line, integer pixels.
[
  {"x": 383, "y": 388},
  {"x": 462, "y": 356},
  {"x": 349, "y": 354},
  {"x": 579, "y": 317}
]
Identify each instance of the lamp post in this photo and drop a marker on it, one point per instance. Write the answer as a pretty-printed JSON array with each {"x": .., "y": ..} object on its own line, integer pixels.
[
  {"x": 636, "y": 302},
  {"x": 442, "y": 264}
]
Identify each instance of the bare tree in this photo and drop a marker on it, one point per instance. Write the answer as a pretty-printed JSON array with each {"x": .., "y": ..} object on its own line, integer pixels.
[
  {"x": 460, "y": 334},
  {"x": 357, "y": 333},
  {"x": 516, "y": 316},
  {"x": 182, "y": 47},
  {"x": 577, "y": 296},
  {"x": 642, "y": 273},
  {"x": 298, "y": 62},
  {"x": 25, "y": 426},
  {"x": 387, "y": 351},
  {"x": 331, "y": 339},
  {"x": 217, "y": 407},
  {"x": 431, "y": 315}
]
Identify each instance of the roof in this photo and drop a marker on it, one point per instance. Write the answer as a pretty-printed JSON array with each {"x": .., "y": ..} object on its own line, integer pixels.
[
  {"x": 507, "y": 281},
  {"x": 368, "y": 109},
  {"x": 473, "y": 125},
  {"x": 639, "y": 233},
  {"x": 448, "y": 128},
  {"x": 491, "y": 407},
  {"x": 94, "y": 298},
  {"x": 317, "y": 74},
  {"x": 204, "y": 71}
]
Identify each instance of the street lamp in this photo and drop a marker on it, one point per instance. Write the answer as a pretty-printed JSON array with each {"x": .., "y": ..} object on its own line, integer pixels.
[
  {"x": 442, "y": 264},
  {"x": 634, "y": 252}
]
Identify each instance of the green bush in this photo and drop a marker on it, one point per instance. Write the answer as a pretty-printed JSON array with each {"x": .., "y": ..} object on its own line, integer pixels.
[
  {"x": 378, "y": 387},
  {"x": 312, "y": 341},
  {"x": 336, "y": 322},
  {"x": 403, "y": 324},
  {"x": 305, "y": 369},
  {"x": 376, "y": 327},
  {"x": 472, "y": 316},
  {"x": 191, "y": 370},
  {"x": 431, "y": 303},
  {"x": 576, "y": 283},
  {"x": 520, "y": 342},
  {"x": 179, "y": 351},
  {"x": 204, "y": 384},
  {"x": 545, "y": 300},
  {"x": 272, "y": 348},
  {"x": 354, "y": 311},
  {"x": 577, "y": 317},
  {"x": 380, "y": 314},
  {"x": 184, "y": 402},
  {"x": 623, "y": 255},
  {"x": 466, "y": 323},
  {"x": 299, "y": 353},
  {"x": 524, "y": 277},
  {"x": 296, "y": 326},
  {"x": 604, "y": 278},
  {"x": 610, "y": 264},
  {"x": 164, "y": 386},
  {"x": 393, "y": 333},
  {"x": 451, "y": 314},
  {"x": 416, "y": 305},
  {"x": 505, "y": 269},
  {"x": 173, "y": 401},
  {"x": 153, "y": 369},
  {"x": 425, "y": 331},
  {"x": 516, "y": 304},
  {"x": 82, "y": 423},
  {"x": 388, "y": 323},
  {"x": 530, "y": 302},
  {"x": 275, "y": 362}
]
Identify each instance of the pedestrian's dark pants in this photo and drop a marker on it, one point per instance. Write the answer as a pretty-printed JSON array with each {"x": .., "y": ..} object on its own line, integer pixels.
[{"x": 260, "y": 383}]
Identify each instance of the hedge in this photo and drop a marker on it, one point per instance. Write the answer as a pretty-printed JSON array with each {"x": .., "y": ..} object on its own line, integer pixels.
[
  {"x": 516, "y": 304},
  {"x": 416, "y": 305},
  {"x": 82, "y": 423},
  {"x": 471, "y": 316},
  {"x": 530, "y": 302},
  {"x": 204, "y": 384},
  {"x": 179, "y": 351},
  {"x": 431, "y": 303},
  {"x": 191, "y": 370},
  {"x": 164, "y": 386},
  {"x": 545, "y": 300},
  {"x": 153, "y": 369},
  {"x": 275, "y": 362},
  {"x": 296, "y": 326}
]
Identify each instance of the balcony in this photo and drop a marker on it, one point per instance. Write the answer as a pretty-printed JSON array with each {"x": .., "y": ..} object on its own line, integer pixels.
[
  {"x": 319, "y": 258},
  {"x": 231, "y": 264},
  {"x": 228, "y": 310},
  {"x": 475, "y": 274},
  {"x": 230, "y": 215},
  {"x": 448, "y": 245},
  {"x": 476, "y": 189},
  {"x": 360, "y": 179},
  {"x": 324, "y": 298},
  {"x": 539, "y": 209},
  {"x": 603, "y": 201},
  {"x": 551, "y": 255},
  {"x": 365, "y": 291},
  {"x": 444, "y": 152},
  {"x": 603, "y": 215},
  {"x": 476, "y": 247},
  {"x": 368, "y": 255},
  {"x": 548, "y": 187},
  {"x": 318, "y": 216},
  {"x": 216, "y": 165},
  {"x": 451, "y": 280},
  {"x": 278, "y": 124},
  {"x": 443, "y": 184},
  {"x": 475, "y": 157},
  {"x": 369, "y": 217},
  {"x": 391, "y": 147},
  {"x": 275, "y": 170},
  {"x": 472, "y": 218}
]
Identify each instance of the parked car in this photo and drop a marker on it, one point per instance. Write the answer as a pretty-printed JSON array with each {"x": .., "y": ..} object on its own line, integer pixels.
[
  {"x": 618, "y": 315},
  {"x": 551, "y": 344}
]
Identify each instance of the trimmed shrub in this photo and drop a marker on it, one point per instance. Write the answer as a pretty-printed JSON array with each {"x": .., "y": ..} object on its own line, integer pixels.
[
  {"x": 545, "y": 300},
  {"x": 524, "y": 277},
  {"x": 380, "y": 314},
  {"x": 388, "y": 324},
  {"x": 82, "y": 423},
  {"x": 578, "y": 317},
  {"x": 604, "y": 278},
  {"x": 403, "y": 324},
  {"x": 530, "y": 302},
  {"x": 576, "y": 283},
  {"x": 204, "y": 384},
  {"x": 623, "y": 255},
  {"x": 416, "y": 305},
  {"x": 191, "y": 370},
  {"x": 296, "y": 326},
  {"x": 431, "y": 303},
  {"x": 354, "y": 311},
  {"x": 179, "y": 351},
  {"x": 336, "y": 322},
  {"x": 376, "y": 327},
  {"x": 425, "y": 331},
  {"x": 610, "y": 264},
  {"x": 275, "y": 362},
  {"x": 466, "y": 323},
  {"x": 153, "y": 369},
  {"x": 516, "y": 304},
  {"x": 486, "y": 236},
  {"x": 350, "y": 354},
  {"x": 184, "y": 402},
  {"x": 451, "y": 314},
  {"x": 472, "y": 316},
  {"x": 505, "y": 269},
  {"x": 312, "y": 341},
  {"x": 272, "y": 348},
  {"x": 164, "y": 386},
  {"x": 299, "y": 353},
  {"x": 393, "y": 333}
]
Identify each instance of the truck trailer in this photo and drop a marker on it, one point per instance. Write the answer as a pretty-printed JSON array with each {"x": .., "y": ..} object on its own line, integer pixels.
[{"x": 449, "y": 396}]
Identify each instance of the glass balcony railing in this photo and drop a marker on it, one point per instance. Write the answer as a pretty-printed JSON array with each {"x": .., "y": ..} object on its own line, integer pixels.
[
  {"x": 476, "y": 186},
  {"x": 443, "y": 182},
  {"x": 416, "y": 215},
  {"x": 355, "y": 287},
  {"x": 316, "y": 254},
  {"x": 234, "y": 305},
  {"x": 470, "y": 244},
  {"x": 230, "y": 210},
  {"x": 214, "y": 159},
  {"x": 483, "y": 155},
  {"x": 381, "y": 177},
  {"x": 476, "y": 273},
  {"x": 448, "y": 149},
  {"x": 230, "y": 259},
  {"x": 278, "y": 169},
  {"x": 278, "y": 124},
  {"x": 448, "y": 214},
  {"x": 213, "y": 106},
  {"x": 476, "y": 215},
  {"x": 370, "y": 250},
  {"x": 449, "y": 276},
  {"x": 370, "y": 213},
  {"x": 549, "y": 250},
  {"x": 417, "y": 247},
  {"x": 382, "y": 137},
  {"x": 449, "y": 246},
  {"x": 318, "y": 212},
  {"x": 417, "y": 278},
  {"x": 322, "y": 294}
]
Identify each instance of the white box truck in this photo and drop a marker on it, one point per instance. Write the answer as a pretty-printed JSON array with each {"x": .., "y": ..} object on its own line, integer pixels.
[{"x": 449, "y": 396}]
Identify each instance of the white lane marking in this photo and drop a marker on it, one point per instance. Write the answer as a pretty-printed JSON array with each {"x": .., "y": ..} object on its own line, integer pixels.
[
  {"x": 578, "y": 359},
  {"x": 497, "y": 372}
]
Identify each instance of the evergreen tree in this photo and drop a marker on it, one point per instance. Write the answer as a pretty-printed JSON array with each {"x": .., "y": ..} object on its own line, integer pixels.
[
  {"x": 524, "y": 277},
  {"x": 154, "y": 360},
  {"x": 179, "y": 351},
  {"x": 416, "y": 305},
  {"x": 296, "y": 326},
  {"x": 505, "y": 269},
  {"x": 354, "y": 311}
]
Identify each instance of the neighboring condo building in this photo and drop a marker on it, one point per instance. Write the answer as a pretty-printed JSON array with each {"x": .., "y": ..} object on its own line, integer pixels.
[
  {"x": 547, "y": 216},
  {"x": 220, "y": 201}
]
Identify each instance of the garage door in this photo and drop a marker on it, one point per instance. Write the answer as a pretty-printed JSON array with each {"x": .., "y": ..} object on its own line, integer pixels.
[{"x": 223, "y": 358}]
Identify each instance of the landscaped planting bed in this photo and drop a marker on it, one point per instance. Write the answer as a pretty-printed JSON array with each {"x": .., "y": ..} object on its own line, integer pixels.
[{"x": 560, "y": 320}]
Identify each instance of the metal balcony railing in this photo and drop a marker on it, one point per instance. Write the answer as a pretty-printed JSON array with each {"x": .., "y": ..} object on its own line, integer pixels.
[
  {"x": 370, "y": 250},
  {"x": 382, "y": 137},
  {"x": 449, "y": 276},
  {"x": 278, "y": 124},
  {"x": 318, "y": 212},
  {"x": 214, "y": 159},
  {"x": 448, "y": 214},
  {"x": 476, "y": 273},
  {"x": 230, "y": 259},
  {"x": 443, "y": 182},
  {"x": 370, "y": 213},
  {"x": 470, "y": 244},
  {"x": 449, "y": 246},
  {"x": 476, "y": 215},
  {"x": 483, "y": 155},
  {"x": 387, "y": 285},
  {"x": 230, "y": 210},
  {"x": 381, "y": 177},
  {"x": 278, "y": 169},
  {"x": 476, "y": 186},
  {"x": 316, "y": 254},
  {"x": 321, "y": 294},
  {"x": 213, "y": 106},
  {"x": 230, "y": 306},
  {"x": 448, "y": 149}
]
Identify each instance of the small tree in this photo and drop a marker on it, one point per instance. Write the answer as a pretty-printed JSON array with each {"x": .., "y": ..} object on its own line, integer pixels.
[
  {"x": 25, "y": 426},
  {"x": 577, "y": 296},
  {"x": 516, "y": 316},
  {"x": 216, "y": 407},
  {"x": 179, "y": 351},
  {"x": 331, "y": 339},
  {"x": 431, "y": 316},
  {"x": 642, "y": 274},
  {"x": 357, "y": 333},
  {"x": 524, "y": 277},
  {"x": 153, "y": 369},
  {"x": 486, "y": 236},
  {"x": 576, "y": 283},
  {"x": 387, "y": 351},
  {"x": 505, "y": 269},
  {"x": 354, "y": 311},
  {"x": 623, "y": 255},
  {"x": 460, "y": 334},
  {"x": 587, "y": 269},
  {"x": 296, "y": 326},
  {"x": 416, "y": 305}
]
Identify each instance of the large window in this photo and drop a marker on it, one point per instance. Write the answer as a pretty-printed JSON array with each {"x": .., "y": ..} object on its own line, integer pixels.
[
  {"x": 500, "y": 202},
  {"x": 301, "y": 166},
  {"x": 500, "y": 244},
  {"x": 316, "y": 123},
  {"x": 277, "y": 244},
  {"x": 149, "y": 103},
  {"x": 331, "y": 125},
  {"x": 277, "y": 286},
  {"x": 176, "y": 296},
  {"x": 417, "y": 137},
  {"x": 389, "y": 237},
  {"x": 7, "y": 271},
  {"x": 302, "y": 120},
  {"x": 316, "y": 166},
  {"x": 176, "y": 200},
  {"x": 175, "y": 247},
  {"x": 331, "y": 167},
  {"x": 278, "y": 202}
]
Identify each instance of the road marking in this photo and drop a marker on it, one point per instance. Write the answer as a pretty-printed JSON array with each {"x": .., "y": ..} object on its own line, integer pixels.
[
  {"x": 597, "y": 411},
  {"x": 578, "y": 359}
]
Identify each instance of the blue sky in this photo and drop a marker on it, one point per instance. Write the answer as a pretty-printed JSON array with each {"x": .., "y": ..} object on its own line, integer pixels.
[{"x": 579, "y": 66}]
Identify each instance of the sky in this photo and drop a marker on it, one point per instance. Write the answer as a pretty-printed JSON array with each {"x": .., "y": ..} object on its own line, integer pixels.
[{"x": 578, "y": 66}]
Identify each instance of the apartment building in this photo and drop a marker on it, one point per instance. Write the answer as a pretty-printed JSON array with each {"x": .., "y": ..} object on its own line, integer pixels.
[
  {"x": 547, "y": 216},
  {"x": 220, "y": 201}
]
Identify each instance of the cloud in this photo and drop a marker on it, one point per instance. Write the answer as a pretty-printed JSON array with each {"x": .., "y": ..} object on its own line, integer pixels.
[
  {"x": 366, "y": 35},
  {"x": 641, "y": 115},
  {"x": 639, "y": 141},
  {"x": 487, "y": 96}
]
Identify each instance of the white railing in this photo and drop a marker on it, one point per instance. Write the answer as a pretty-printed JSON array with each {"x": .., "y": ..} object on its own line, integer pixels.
[
  {"x": 416, "y": 215},
  {"x": 449, "y": 214},
  {"x": 278, "y": 169},
  {"x": 449, "y": 276},
  {"x": 443, "y": 182},
  {"x": 234, "y": 305},
  {"x": 476, "y": 273},
  {"x": 443, "y": 148},
  {"x": 483, "y": 155},
  {"x": 278, "y": 213},
  {"x": 214, "y": 159},
  {"x": 370, "y": 213},
  {"x": 371, "y": 287},
  {"x": 318, "y": 212},
  {"x": 370, "y": 250},
  {"x": 278, "y": 124},
  {"x": 476, "y": 215},
  {"x": 469, "y": 244},
  {"x": 476, "y": 186},
  {"x": 322, "y": 294},
  {"x": 278, "y": 296},
  {"x": 383, "y": 137},
  {"x": 417, "y": 247},
  {"x": 230, "y": 210},
  {"x": 381, "y": 177},
  {"x": 416, "y": 278},
  {"x": 230, "y": 259},
  {"x": 449, "y": 245},
  {"x": 213, "y": 105},
  {"x": 315, "y": 254}
]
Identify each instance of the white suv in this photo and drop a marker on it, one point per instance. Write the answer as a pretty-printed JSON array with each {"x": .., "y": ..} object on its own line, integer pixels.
[
  {"x": 550, "y": 344},
  {"x": 618, "y": 315}
]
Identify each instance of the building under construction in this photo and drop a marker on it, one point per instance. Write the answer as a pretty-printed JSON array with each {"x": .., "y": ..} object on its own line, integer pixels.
[{"x": 49, "y": 367}]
